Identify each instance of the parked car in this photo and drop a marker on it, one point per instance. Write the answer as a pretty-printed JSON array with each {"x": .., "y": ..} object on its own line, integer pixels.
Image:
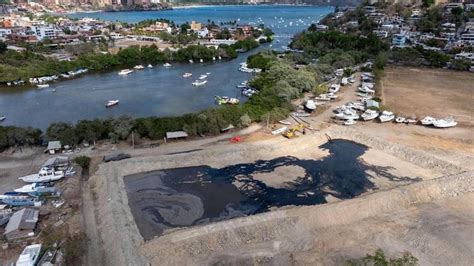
[{"x": 116, "y": 157}]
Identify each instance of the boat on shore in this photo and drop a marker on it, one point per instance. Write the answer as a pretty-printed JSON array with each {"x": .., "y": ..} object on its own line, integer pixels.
[
  {"x": 42, "y": 86},
  {"x": 198, "y": 83},
  {"x": 310, "y": 106},
  {"x": 187, "y": 75},
  {"x": 29, "y": 256},
  {"x": 386, "y": 116},
  {"x": 400, "y": 119},
  {"x": 226, "y": 100},
  {"x": 428, "y": 120},
  {"x": 17, "y": 200},
  {"x": 284, "y": 122},
  {"x": 300, "y": 114},
  {"x": 369, "y": 115},
  {"x": 445, "y": 123},
  {"x": 45, "y": 174},
  {"x": 125, "y": 72},
  {"x": 350, "y": 122},
  {"x": 111, "y": 103}
]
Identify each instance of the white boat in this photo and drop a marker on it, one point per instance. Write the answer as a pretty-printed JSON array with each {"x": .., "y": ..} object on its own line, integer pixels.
[
  {"x": 279, "y": 130},
  {"x": 220, "y": 57},
  {"x": 138, "y": 67},
  {"x": 428, "y": 120},
  {"x": 191, "y": 61},
  {"x": 350, "y": 122},
  {"x": 369, "y": 115},
  {"x": 445, "y": 123},
  {"x": 386, "y": 116},
  {"x": 187, "y": 75},
  {"x": 111, "y": 103},
  {"x": 198, "y": 83},
  {"x": 310, "y": 106},
  {"x": 150, "y": 66},
  {"x": 208, "y": 73},
  {"x": 42, "y": 86},
  {"x": 284, "y": 122},
  {"x": 301, "y": 114},
  {"x": 2, "y": 118},
  {"x": 124, "y": 72},
  {"x": 400, "y": 119},
  {"x": 334, "y": 88},
  {"x": 44, "y": 175},
  {"x": 200, "y": 60},
  {"x": 167, "y": 65},
  {"x": 29, "y": 256},
  {"x": 366, "y": 89},
  {"x": 411, "y": 120},
  {"x": 203, "y": 77}
]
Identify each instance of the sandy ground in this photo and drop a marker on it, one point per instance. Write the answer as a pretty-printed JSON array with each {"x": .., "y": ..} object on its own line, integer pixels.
[{"x": 433, "y": 92}]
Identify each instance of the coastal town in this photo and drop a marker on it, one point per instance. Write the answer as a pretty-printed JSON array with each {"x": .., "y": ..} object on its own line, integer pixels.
[{"x": 352, "y": 138}]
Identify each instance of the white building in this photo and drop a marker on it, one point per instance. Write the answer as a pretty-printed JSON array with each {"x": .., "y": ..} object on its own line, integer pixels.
[{"x": 42, "y": 32}]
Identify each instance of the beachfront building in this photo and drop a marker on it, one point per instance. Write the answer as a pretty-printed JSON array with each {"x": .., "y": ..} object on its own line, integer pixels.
[{"x": 54, "y": 147}]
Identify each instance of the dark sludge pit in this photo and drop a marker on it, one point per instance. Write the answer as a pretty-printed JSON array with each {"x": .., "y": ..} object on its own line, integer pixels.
[{"x": 187, "y": 196}]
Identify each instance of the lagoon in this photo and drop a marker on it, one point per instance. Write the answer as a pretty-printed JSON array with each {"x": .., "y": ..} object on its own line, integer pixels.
[{"x": 159, "y": 91}]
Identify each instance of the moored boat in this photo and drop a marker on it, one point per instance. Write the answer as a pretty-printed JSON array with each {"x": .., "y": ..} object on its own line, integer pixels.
[
  {"x": 150, "y": 66},
  {"x": 138, "y": 67},
  {"x": 187, "y": 75},
  {"x": 111, "y": 103},
  {"x": 198, "y": 83},
  {"x": 167, "y": 65},
  {"x": 2, "y": 118},
  {"x": 42, "y": 86},
  {"x": 125, "y": 72}
]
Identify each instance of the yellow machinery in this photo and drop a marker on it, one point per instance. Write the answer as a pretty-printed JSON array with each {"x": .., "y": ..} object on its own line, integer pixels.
[{"x": 291, "y": 132}]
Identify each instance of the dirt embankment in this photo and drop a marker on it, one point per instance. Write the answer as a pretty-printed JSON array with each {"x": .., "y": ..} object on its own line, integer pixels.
[{"x": 431, "y": 219}]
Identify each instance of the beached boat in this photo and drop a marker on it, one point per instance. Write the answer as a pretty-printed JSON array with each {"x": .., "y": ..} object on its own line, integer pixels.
[
  {"x": 45, "y": 174},
  {"x": 284, "y": 122},
  {"x": 198, "y": 83},
  {"x": 167, "y": 65},
  {"x": 310, "y": 106},
  {"x": 386, "y": 116},
  {"x": 400, "y": 119},
  {"x": 428, "y": 120},
  {"x": 17, "y": 200},
  {"x": 279, "y": 130},
  {"x": 226, "y": 100},
  {"x": 369, "y": 115},
  {"x": 187, "y": 75},
  {"x": 411, "y": 120},
  {"x": 300, "y": 114},
  {"x": 350, "y": 122},
  {"x": 125, "y": 72},
  {"x": 347, "y": 115},
  {"x": 366, "y": 89},
  {"x": 36, "y": 189},
  {"x": 445, "y": 123},
  {"x": 42, "y": 86},
  {"x": 334, "y": 88},
  {"x": 138, "y": 67},
  {"x": 2, "y": 118},
  {"x": 29, "y": 256},
  {"x": 111, "y": 103}
]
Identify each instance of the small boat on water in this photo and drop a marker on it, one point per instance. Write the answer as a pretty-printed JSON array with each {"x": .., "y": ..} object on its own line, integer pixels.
[
  {"x": 445, "y": 123},
  {"x": 29, "y": 256},
  {"x": 42, "y": 86},
  {"x": 150, "y": 66},
  {"x": 428, "y": 120},
  {"x": 203, "y": 77},
  {"x": 386, "y": 116},
  {"x": 167, "y": 65},
  {"x": 187, "y": 75},
  {"x": 201, "y": 61},
  {"x": 198, "y": 83},
  {"x": 208, "y": 73},
  {"x": 400, "y": 119},
  {"x": 125, "y": 72},
  {"x": 111, "y": 103},
  {"x": 45, "y": 174},
  {"x": 191, "y": 61},
  {"x": 138, "y": 67},
  {"x": 2, "y": 118}
]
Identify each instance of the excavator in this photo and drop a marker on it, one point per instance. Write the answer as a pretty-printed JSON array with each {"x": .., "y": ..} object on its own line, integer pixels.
[{"x": 291, "y": 132}]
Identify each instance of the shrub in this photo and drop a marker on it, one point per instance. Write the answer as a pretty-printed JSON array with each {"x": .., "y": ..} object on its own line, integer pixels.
[{"x": 83, "y": 161}]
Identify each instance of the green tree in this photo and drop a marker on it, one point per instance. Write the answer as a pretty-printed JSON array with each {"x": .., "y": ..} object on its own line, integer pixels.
[{"x": 3, "y": 47}]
